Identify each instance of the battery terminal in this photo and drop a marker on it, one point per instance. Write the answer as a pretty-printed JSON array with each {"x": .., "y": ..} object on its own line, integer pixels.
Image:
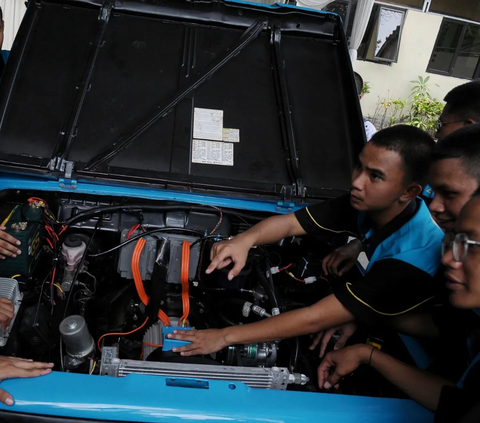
[
  {"x": 37, "y": 204},
  {"x": 20, "y": 226}
]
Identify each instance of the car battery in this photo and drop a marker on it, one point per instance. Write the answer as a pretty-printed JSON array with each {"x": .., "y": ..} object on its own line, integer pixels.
[{"x": 25, "y": 223}]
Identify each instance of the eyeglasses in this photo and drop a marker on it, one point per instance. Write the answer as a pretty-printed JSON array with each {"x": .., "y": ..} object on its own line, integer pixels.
[
  {"x": 440, "y": 124},
  {"x": 458, "y": 244}
]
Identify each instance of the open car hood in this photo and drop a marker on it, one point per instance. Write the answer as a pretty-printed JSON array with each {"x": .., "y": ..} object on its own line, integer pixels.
[{"x": 211, "y": 96}]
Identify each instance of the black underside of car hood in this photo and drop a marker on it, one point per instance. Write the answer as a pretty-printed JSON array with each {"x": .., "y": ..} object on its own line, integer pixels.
[{"x": 116, "y": 91}]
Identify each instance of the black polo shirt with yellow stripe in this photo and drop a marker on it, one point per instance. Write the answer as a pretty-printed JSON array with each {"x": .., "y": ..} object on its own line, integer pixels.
[{"x": 404, "y": 257}]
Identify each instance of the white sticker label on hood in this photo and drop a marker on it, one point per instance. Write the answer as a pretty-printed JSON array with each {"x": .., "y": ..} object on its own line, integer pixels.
[
  {"x": 208, "y": 124},
  {"x": 231, "y": 135},
  {"x": 211, "y": 152}
]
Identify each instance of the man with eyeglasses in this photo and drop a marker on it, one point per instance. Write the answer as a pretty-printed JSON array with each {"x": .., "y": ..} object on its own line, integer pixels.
[
  {"x": 462, "y": 108},
  {"x": 451, "y": 402}
]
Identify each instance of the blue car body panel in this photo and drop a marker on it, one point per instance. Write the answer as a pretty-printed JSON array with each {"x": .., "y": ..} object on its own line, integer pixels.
[
  {"x": 143, "y": 398},
  {"x": 7, "y": 181}
]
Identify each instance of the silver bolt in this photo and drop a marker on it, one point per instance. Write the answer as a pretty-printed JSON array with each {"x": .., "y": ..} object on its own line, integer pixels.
[{"x": 72, "y": 324}]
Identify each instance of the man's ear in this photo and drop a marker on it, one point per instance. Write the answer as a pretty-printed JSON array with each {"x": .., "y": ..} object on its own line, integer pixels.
[{"x": 412, "y": 191}]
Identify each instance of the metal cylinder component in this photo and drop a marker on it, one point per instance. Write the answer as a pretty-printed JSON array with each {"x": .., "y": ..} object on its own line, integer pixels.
[
  {"x": 78, "y": 341},
  {"x": 298, "y": 379},
  {"x": 67, "y": 280},
  {"x": 263, "y": 354},
  {"x": 260, "y": 311}
]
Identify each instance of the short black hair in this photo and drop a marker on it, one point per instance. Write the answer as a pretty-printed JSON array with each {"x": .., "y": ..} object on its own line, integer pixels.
[
  {"x": 414, "y": 146},
  {"x": 358, "y": 82},
  {"x": 1, "y": 14},
  {"x": 464, "y": 101},
  {"x": 463, "y": 144}
]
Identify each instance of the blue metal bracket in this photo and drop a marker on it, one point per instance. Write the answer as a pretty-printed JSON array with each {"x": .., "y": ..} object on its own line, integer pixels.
[
  {"x": 283, "y": 206},
  {"x": 168, "y": 343},
  {"x": 67, "y": 183}
]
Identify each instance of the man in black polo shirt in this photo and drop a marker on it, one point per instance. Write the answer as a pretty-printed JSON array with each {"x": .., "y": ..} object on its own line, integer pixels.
[
  {"x": 452, "y": 402},
  {"x": 400, "y": 238}
]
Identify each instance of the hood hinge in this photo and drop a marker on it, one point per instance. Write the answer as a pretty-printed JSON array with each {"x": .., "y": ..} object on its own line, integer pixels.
[
  {"x": 67, "y": 168},
  {"x": 287, "y": 204}
]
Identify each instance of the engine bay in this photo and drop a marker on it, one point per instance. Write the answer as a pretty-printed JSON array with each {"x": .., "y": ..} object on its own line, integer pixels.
[{"x": 100, "y": 283}]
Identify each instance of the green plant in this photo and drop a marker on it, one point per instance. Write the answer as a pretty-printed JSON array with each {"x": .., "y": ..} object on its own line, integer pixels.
[
  {"x": 424, "y": 112},
  {"x": 418, "y": 110},
  {"x": 366, "y": 88},
  {"x": 420, "y": 86},
  {"x": 389, "y": 112}
]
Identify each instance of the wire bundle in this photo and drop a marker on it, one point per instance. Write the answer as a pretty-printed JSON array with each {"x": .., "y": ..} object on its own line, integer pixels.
[{"x": 50, "y": 223}]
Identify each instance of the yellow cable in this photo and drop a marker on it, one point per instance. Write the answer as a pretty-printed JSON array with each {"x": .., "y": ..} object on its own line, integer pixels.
[
  {"x": 327, "y": 229},
  {"x": 93, "y": 368},
  {"x": 386, "y": 314},
  {"x": 15, "y": 276},
  {"x": 8, "y": 217},
  {"x": 58, "y": 286}
]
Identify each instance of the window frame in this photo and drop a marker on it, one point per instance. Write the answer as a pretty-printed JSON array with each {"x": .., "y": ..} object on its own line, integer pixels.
[
  {"x": 476, "y": 73},
  {"x": 453, "y": 17},
  {"x": 404, "y": 14},
  {"x": 370, "y": 33}
]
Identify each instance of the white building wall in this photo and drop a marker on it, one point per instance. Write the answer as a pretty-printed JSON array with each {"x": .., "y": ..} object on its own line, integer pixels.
[
  {"x": 417, "y": 41},
  {"x": 13, "y": 11}
]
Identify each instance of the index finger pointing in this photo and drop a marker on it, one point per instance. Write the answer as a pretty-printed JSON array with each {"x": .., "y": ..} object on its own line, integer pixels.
[{"x": 216, "y": 261}]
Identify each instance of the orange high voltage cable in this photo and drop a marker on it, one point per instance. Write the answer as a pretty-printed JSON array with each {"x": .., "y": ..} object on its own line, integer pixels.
[
  {"x": 137, "y": 278},
  {"x": 132, "y": 230},
  {"x": 120, "y": 333},
  {"x": 184, "y": 279}
]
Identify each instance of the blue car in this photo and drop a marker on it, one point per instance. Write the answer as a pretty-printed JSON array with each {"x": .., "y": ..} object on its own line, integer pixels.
[{"x": 135, "y": 134}]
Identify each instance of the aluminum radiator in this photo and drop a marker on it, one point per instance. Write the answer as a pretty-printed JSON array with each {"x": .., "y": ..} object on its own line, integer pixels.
[
  {"x": 255, "y": 377},
  {"x": 9, "y": 289}
]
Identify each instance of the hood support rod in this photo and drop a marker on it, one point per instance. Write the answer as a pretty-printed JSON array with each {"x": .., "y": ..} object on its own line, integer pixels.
[{"x": 285, "y": 114}]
